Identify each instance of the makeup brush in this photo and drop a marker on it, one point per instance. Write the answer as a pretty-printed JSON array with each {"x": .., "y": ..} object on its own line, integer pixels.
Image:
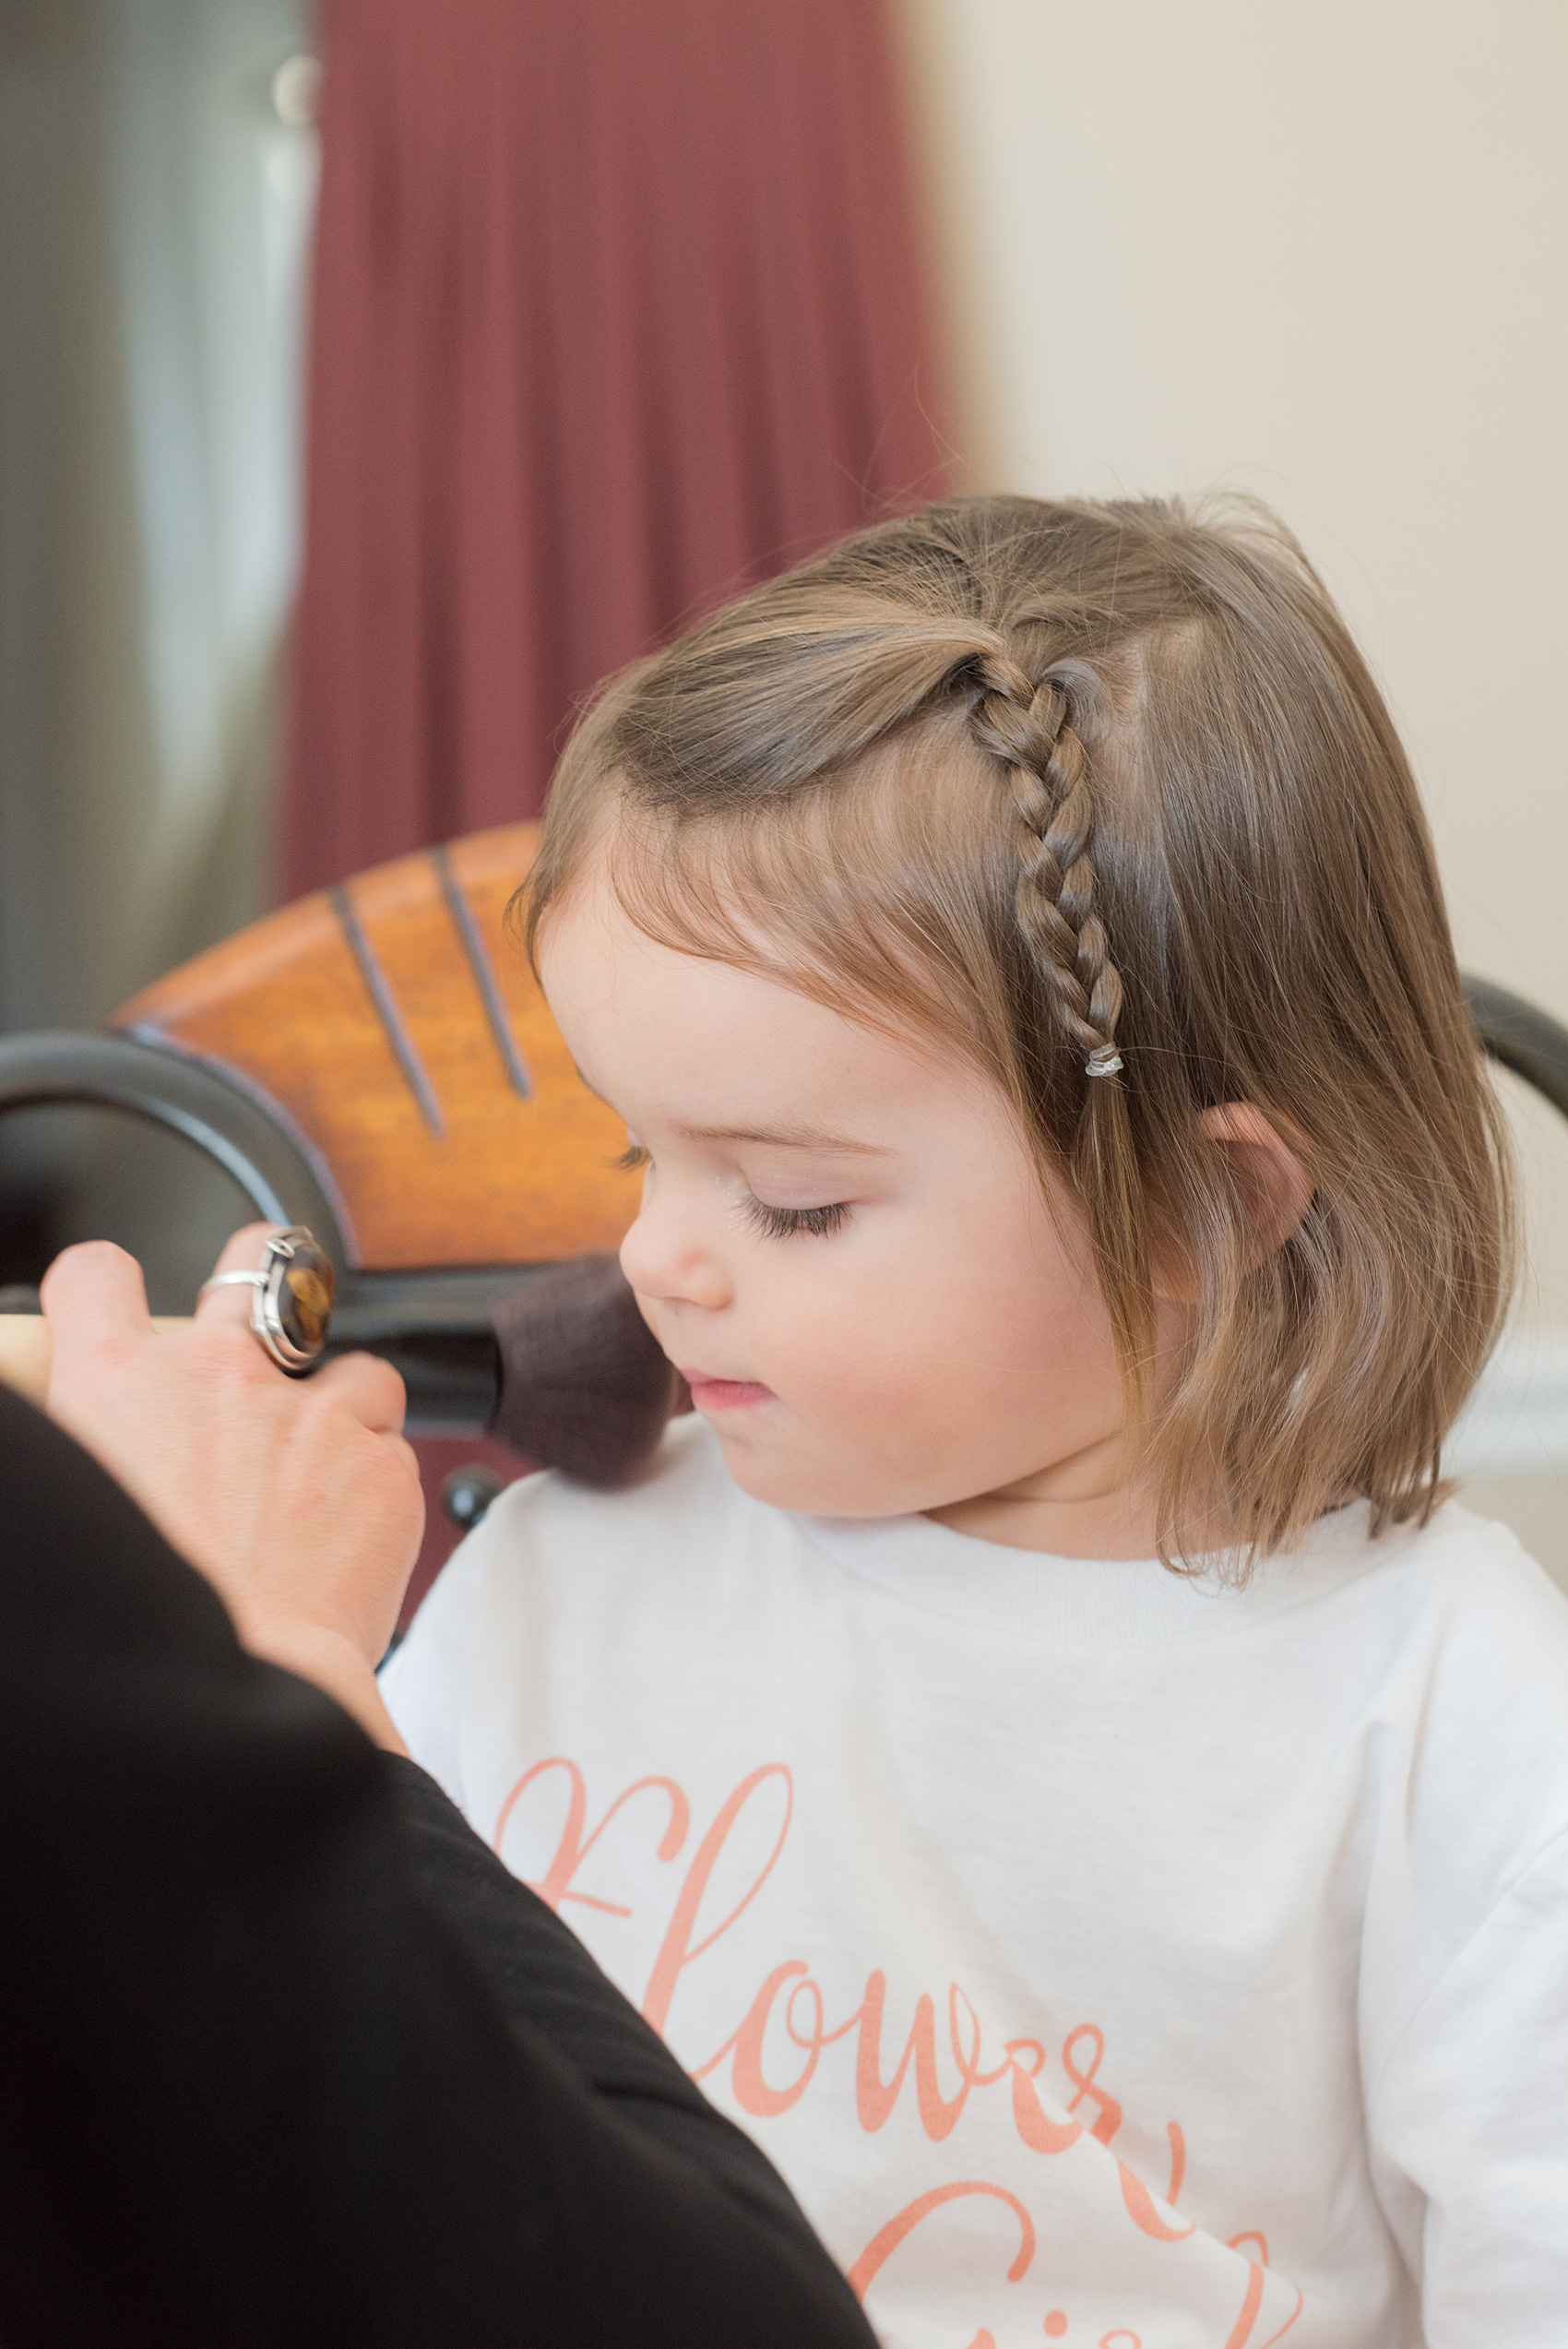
[{"x": 555, "y": 1360}]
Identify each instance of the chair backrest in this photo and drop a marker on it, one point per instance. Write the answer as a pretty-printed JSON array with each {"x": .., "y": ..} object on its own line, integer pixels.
[{"x": 393, "y": 1027}]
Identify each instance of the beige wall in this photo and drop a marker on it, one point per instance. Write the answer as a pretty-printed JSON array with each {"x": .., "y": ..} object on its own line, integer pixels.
[{"x": 1322, "y": 253}]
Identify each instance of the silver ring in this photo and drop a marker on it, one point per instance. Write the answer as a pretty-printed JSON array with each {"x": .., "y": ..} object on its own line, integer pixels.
[{"x": 292, "y": 1306}]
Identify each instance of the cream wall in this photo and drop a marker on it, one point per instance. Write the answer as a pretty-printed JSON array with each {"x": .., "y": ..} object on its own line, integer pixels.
[
  {"x": 1322, "y": 252},
  {"x": 1319, "y": 251}
]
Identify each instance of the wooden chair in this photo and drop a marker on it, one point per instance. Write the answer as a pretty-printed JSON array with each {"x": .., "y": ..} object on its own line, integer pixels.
[{"x": 376, "y": 1061}]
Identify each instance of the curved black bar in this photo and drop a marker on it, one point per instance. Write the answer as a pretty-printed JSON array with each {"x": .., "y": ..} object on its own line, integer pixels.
[
  {"x": 1520, "y": 1036},
  {"x": 187, "y": 1096},
  {"x": 434, "y": 1327}
]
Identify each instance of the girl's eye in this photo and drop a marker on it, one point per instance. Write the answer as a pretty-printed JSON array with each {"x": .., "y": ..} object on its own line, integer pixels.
[
  {"x": 778, "y": 1223},
  {"x": 632, "y": 1161}
]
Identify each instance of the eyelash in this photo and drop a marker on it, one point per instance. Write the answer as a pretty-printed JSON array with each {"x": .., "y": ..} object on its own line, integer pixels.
[
  {"x": 778, "y": 1223},
  {"x": 775, "y": 1223}
]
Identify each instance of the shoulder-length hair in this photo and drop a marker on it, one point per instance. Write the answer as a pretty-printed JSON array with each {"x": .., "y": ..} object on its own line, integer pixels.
[{"x": 1104, "y": 796}]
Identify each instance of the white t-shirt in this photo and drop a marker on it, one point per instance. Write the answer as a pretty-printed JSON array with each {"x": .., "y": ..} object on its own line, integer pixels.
[{"x": 1103, "y": 1956}]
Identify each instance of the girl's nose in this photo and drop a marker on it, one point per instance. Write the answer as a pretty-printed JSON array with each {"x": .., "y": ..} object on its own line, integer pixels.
[{"x": 664, "y": 1258}]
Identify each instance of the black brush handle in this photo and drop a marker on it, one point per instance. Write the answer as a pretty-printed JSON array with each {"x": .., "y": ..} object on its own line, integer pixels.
[{"x": 433, "y": 1327}]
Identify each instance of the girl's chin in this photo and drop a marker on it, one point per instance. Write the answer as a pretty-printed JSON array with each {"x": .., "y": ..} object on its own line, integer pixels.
[{"x": 768, "y": 1473}]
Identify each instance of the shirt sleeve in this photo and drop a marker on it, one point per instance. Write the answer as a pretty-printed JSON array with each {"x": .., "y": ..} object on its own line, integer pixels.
[
  {"x": 545, "y": 1982},
  {"x": 1469, "y": 2126}
]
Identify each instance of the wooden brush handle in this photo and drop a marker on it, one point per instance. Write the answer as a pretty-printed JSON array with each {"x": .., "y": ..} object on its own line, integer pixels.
[{"x": 27, "y": 1349}]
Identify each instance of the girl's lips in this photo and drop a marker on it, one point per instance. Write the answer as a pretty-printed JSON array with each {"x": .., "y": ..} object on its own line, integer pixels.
[{"x": 726, "y": 1394}]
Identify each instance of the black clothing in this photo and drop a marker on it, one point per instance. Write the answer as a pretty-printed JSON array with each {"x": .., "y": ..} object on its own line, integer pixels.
[{"x": 286, "y": 2056}]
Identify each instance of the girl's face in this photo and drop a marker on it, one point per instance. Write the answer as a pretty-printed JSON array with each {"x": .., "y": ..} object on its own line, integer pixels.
[{"x": 844, "y": 1245}]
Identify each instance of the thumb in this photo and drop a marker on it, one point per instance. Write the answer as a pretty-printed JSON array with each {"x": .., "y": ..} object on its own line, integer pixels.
[{"x": 93, "y": 1296}]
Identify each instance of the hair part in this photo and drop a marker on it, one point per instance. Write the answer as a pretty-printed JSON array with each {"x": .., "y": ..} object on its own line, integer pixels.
[{"x": 1062, "y": 785}]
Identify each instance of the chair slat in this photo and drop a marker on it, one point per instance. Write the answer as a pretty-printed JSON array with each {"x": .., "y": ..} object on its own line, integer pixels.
[{"x": 395, "y": 1025}]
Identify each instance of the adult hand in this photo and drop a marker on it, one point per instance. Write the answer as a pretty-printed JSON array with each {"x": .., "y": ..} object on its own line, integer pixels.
[{"x": 297, "y": 1498}]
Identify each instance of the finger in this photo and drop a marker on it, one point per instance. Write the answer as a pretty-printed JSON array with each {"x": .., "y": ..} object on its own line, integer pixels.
[
  {"x": 94, "y": 1293},
  {"x": 369, "y": 1387},
  {"x": 242, "y": 1253}
]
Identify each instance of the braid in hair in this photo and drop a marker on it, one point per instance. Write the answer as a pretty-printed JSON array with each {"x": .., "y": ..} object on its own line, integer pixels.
[{"x": 1028, "y": 725}]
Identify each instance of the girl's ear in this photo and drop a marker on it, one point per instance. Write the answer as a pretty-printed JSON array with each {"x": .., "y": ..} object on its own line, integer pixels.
[{"x": 1275, "y": 1188}]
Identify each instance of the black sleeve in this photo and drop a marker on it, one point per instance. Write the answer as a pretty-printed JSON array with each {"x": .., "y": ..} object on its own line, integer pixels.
[
  {"x": 542, "y": 1978},
  {"x": 252, "y": 2089}
]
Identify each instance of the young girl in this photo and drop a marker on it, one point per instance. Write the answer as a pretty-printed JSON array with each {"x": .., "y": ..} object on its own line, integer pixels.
[{"x": 1039, "y": 1744}]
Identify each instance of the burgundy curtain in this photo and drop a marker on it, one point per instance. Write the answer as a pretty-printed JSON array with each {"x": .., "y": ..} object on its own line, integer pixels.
[{"x": 617, "y": 307}]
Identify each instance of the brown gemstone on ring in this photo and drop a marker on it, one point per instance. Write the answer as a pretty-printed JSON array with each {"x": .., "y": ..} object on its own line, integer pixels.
[{"x": 303, "y": 1294}]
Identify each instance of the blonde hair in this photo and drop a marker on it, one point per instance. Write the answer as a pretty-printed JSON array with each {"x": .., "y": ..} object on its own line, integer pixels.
[{"x": 1050, "y": 782}]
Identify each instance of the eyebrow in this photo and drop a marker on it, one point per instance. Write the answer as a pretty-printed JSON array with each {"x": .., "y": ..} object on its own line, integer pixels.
[
  {"x": 785, "y": 1138},
  {"x": 781, "y": 1137}
]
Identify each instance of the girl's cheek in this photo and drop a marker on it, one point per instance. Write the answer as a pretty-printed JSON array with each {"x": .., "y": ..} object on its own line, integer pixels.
[
  {"x": 861, "y": 1376},
  {"x": 829, "y": 1316}
]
